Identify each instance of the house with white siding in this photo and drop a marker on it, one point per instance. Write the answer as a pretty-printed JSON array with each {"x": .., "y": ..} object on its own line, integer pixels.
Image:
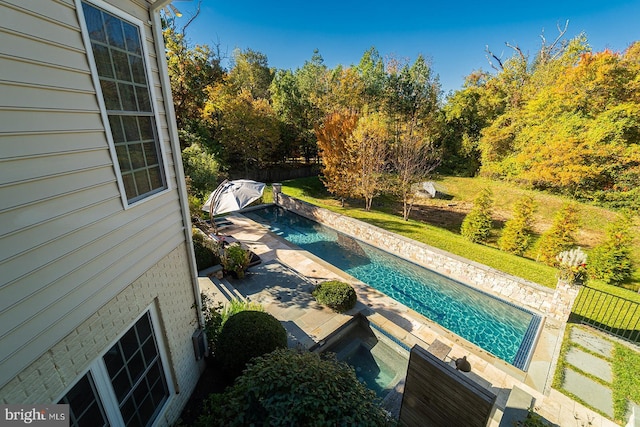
[{"x": 99, "y": 299}]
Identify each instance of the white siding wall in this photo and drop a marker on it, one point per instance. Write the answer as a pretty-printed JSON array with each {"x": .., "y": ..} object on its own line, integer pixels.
[
  {"x": 165, "y": 286},
  {"x": 67, "y": 245}
]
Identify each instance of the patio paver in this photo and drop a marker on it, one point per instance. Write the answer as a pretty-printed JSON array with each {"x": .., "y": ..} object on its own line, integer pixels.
[
  {"x": 590, "y": 364},
  {"x": 592, "y": 342},
  {"x": 595, "y": 394}
]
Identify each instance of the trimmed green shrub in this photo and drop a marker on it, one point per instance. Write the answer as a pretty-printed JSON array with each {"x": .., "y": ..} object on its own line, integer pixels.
[
  {"x": 476, "y": 226},
  {"x": 611, "y": 261},
  {"x": 295, "y": 388},
  {"x": 516, "y": 235},
  {"x": 561, "y": 236},
  {"x": 533, "y": 420},
  {"x": 206, "y": 251},
  {"x": 339, "y": 296},
  {"x": 216, "y": 315},
  {"x": 246, "y": 335}
]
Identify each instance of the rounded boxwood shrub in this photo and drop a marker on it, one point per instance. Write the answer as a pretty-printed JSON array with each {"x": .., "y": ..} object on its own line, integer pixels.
[
  {"x": 295, "y": 388},
  {"x": 339, "y": 296},
  {"x": 246, "y": 335}
]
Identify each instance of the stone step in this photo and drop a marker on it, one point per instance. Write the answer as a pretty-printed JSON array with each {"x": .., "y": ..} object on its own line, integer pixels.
[
  {"x": 227, "y": 289},
  {"x": 211, "y": 271},
  {"x": 517, "y": 407}
]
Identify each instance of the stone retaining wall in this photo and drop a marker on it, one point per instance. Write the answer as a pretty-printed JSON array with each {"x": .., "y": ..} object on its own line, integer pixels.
[{"x": 555, "y": 303}]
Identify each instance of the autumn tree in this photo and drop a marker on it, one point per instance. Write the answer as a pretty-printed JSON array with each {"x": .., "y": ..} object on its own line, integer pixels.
[
  {"x": 518, "y": 78},
  {"x": 561, "y": 236},
  {"x": 313, "y": 82},
  {"x": 584, "y": 137},
  {"x": 339, "y": 166},
  {"x": 466, "y": 113},
  {"x": 192, "y": 69},
  {"x": 249, "y": 130},
  {"x": 570, "y": 121},
  {"x": 346, "y": 90},
  {"x": 202, "y": 168},
  {"x": 251, "y": 72},
  {"x": 411, "y": 159},
  {"x": 369, "y": 145}
]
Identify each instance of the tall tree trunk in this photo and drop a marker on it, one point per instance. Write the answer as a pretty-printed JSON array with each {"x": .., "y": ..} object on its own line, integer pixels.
[{"x": 367, "y": 203}]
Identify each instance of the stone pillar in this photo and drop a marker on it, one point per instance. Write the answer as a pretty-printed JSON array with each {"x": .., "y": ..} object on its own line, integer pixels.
[
  {"x": 277, "y": 190},
  {"x": 564, "y": 297}
]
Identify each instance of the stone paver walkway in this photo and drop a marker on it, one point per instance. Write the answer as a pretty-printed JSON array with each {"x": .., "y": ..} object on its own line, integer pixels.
[
  {"x": 592, "y": 342},
  {"x": 593, "y": 357},
  {"x": 597, "y": 395}
]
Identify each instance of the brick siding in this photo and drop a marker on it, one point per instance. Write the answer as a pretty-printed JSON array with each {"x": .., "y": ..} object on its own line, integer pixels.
[{"x": 168, "y": 286}]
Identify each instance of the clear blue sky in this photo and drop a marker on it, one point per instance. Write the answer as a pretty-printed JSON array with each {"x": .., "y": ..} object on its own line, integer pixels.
[{"x": 453, "y": 35}]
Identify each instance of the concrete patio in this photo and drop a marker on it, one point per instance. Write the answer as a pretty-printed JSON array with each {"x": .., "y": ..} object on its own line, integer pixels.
[{"x": 283, "y": 284}]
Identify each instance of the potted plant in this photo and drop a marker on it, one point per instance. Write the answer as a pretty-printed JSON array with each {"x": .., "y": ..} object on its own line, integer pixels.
[{"x": 235, "y": 260}]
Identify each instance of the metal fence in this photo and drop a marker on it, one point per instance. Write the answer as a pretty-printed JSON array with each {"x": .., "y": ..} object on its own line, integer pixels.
[
  {"x": 608, "y": 312},
  {"x": 277, "y": 174}
]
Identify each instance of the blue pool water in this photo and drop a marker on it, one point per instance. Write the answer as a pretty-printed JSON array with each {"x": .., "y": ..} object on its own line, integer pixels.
[
  {"x": 500, "y": 328},
  {"x": 378, "y": 362}
]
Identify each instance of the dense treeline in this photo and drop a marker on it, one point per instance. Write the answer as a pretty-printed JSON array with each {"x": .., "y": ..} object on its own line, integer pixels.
[{"x": 565, "y": 120}]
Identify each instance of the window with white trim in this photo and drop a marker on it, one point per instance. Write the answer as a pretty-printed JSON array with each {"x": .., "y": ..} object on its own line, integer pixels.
[
  {"x": 130, "y": 379},
  {"x": 120, "y": 64},
  {"x": 85, "y": 407}
]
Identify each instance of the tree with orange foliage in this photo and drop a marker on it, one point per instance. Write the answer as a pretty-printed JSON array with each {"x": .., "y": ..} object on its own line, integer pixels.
[
  {"x": 583, "y": 134},
  {"x": 338, "y": 158}
]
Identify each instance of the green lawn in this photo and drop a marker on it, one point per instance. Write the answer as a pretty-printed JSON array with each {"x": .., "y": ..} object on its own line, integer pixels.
[
  {"x": 311, "y": 190},
  {"x": 464, "y": 190},
  {"x": 593, "y": 219},
  {"x": 622, "y": 315},
  {"x": 626, "y": 387}
]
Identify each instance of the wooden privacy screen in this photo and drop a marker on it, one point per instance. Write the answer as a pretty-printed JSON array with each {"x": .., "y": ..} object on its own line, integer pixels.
[{"x": 435, "y": 394}]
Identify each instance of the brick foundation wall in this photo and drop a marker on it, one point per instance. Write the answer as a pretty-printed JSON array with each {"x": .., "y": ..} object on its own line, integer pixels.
[
  {"x": 555, "y": 303},
  {"x": 167, "y": 285}
]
